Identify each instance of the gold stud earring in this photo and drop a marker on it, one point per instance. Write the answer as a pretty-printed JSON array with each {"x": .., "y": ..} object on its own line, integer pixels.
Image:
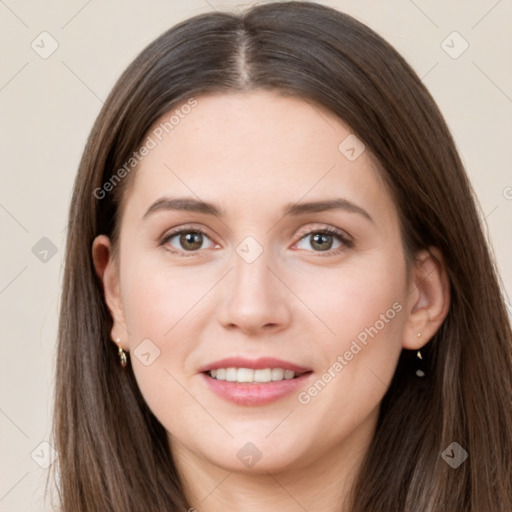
[{"x": 121, "y": 353}]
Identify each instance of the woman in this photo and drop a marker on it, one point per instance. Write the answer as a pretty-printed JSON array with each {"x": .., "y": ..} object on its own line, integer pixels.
[{"x": 277, "y": 291}]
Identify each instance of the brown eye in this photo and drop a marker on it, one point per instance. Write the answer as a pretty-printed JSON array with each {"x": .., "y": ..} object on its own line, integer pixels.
[
  {"x": 191, "y": 240},
  {"x": 186, "y": 240},
  {"x": 324, "y": 240},
  {"x": 321, "y": 241}
]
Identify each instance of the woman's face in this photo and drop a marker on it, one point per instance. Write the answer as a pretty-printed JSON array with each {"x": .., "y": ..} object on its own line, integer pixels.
[{"x": 255, "y": 278}]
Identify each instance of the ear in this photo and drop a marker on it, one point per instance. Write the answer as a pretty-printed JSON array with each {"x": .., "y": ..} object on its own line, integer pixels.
[
  {"x": 428, "y": 299},
  {"x": 107, "y": 269}
]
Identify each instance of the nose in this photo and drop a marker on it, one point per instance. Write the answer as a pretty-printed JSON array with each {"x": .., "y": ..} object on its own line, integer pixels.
[{"x": 255, "y": 299}]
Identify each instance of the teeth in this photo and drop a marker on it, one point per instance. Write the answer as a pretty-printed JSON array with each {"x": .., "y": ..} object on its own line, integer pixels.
[
  {"x": 263, "y": 375},
  {"x": 250, "y": 375},
  {"x": 277, "y": 373},
  {"x": 245, "y": 375},
  {"x": 231, "y": 374}
]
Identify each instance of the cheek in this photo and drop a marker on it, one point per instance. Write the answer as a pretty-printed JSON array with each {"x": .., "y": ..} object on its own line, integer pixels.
[
  {"x": 356, "y": 296},
  {"x": 158, "y": 298},
  {"x": 166, "y": 310},
  {"x": 362, "y": 309},
  {"x": 162, "y": 306}
]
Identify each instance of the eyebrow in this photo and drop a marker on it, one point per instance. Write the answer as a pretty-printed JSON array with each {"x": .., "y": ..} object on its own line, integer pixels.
[{"x": 293, "y": 209}]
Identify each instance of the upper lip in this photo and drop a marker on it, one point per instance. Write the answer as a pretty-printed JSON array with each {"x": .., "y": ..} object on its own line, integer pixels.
[{"x": 255, "y": 364}]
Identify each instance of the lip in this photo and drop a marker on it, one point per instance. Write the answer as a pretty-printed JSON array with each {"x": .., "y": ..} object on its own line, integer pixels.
[
  {"x": 254, "y": 394},
  {"x": 256, "y": 364}
]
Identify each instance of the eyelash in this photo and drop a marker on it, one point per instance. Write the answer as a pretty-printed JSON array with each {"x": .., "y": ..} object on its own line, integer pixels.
[{"x": 347, "y": 243}]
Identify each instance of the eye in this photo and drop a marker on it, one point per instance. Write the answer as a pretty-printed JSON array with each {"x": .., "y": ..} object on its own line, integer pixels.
[
  {"x": 186, "y": 240},
  {"x": 322, "y": 240},
  {"x": 191, "y": 240}
]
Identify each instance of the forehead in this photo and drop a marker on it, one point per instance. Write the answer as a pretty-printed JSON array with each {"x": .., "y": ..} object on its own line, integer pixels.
[{"x": 256, "y": 146}]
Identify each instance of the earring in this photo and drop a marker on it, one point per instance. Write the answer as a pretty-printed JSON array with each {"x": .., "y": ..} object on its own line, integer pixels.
[
  {"x": 419, "y": 372},
  {"x": 121, "y": 353}
]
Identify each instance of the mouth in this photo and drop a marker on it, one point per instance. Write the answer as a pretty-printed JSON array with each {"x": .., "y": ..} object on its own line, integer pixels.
[{"x": 251, "y": 383}]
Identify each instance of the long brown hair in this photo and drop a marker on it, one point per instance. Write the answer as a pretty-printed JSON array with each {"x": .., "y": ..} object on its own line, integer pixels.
[{"x": 113, "y": 453}]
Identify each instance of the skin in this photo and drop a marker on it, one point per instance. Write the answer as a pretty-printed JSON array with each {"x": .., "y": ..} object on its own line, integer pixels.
[{"x": 253, "y": 153}]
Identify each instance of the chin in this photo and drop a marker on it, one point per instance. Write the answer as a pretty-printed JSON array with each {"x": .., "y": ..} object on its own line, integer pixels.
[{"x": 254, "y": 454}]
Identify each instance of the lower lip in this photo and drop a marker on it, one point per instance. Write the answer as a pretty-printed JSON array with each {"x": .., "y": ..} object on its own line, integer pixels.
[{"x": 248, "y": 393}]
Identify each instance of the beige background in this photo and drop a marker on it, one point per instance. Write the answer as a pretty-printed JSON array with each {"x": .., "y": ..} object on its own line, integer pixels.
[{"x": 48, "y": 107}]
